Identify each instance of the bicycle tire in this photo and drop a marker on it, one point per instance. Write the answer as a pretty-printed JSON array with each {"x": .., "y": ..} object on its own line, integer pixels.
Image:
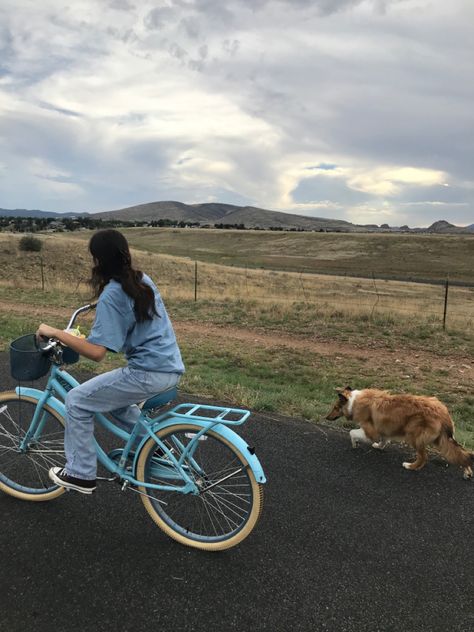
[
  {"x": 24, "y": 475},
  {"x": 181, "y": 527}
]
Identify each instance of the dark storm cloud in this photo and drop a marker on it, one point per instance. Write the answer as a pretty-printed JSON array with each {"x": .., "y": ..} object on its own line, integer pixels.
[
  {"x": 6, "y": 43},
  {"x": 159, "y": 17},
  {"x": 48, "y": 106},
  {"x": 121, "y": 5},
  {"x": 325, "y": 7},
  {"x": 436, "y": 194},
  {"x": 327, "y": 189},
  {"x": 423, "y": 215}
]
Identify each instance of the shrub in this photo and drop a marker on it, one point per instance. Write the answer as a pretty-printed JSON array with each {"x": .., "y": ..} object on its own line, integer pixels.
[{"x": 31, "y": 244}]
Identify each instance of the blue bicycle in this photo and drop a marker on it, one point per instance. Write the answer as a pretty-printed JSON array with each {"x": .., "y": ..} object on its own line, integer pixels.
[{"x": 198, "y": 479}]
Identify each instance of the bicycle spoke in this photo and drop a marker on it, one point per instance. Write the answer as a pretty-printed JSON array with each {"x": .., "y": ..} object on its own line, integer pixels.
[
  {"x": 209, "y": 515},
  {"x": 225, "y": 495},
  {"x": 224, "y": 504},
  {"x": 221, "y": 510},
  {"x": 24, "y": 465}
]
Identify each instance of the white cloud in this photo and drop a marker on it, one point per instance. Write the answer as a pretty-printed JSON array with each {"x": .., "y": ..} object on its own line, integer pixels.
[
  {"x": 42, "y": 169},
  {"x": 54, "y": 189},
  {"x": 108, "y": 104},
  {"x": 383, "y": 181}
]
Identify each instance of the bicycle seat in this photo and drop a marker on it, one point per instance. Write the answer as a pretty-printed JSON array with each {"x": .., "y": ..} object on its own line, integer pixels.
[{"x": 161, "y": 399}]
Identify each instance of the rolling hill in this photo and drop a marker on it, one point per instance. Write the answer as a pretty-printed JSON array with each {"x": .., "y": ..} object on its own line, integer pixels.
[
  {"x": 23, "y": 212},
  {"x": 214, "y": 213}
]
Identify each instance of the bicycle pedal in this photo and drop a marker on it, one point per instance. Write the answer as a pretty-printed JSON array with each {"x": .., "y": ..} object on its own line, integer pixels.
[{"x": 108, "y": 480}]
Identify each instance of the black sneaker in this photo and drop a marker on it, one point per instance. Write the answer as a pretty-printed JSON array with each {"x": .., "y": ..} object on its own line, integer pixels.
[{"x": 58, "y": 475}]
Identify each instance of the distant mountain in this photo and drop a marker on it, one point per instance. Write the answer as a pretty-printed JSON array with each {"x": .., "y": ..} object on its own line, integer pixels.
[
  {"x": 214, "y": 213},
  {"x": 252, "y": 217},
  {"x": 442, "y": 226},
  {"x": 23, "y": 212}
]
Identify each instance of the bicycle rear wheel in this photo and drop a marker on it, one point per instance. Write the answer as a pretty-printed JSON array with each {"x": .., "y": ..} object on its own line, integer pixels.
[
  {"x": 229, "y": 502},
  {"x": 24, "y": 468}
]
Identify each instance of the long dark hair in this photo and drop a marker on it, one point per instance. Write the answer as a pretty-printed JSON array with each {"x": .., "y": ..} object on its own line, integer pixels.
[{"x": 112, "y": 260}]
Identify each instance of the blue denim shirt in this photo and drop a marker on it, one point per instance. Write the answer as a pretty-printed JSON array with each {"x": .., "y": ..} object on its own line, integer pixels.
[{"x": 150, "y": 345}]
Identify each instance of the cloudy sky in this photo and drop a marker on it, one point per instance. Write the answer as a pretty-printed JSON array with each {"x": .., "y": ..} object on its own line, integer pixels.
[{"x": 350, "y": 109}]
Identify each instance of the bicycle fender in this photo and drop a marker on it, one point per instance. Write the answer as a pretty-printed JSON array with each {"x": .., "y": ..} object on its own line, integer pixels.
[
  {"x": 226, "y": 433},
  {"x": 34, "y": 393}
]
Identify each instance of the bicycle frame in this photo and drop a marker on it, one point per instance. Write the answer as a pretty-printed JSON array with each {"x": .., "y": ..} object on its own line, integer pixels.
[{"x": 60, "y": 382}]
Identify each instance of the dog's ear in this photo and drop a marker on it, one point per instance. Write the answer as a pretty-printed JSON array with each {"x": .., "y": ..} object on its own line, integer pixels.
[{"x": 348, "y": 388}]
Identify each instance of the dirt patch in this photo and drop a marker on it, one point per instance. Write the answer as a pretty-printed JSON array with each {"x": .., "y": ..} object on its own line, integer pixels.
[
  {"x": 33, "y": 310},
  {"x": 458, "y": 371}
]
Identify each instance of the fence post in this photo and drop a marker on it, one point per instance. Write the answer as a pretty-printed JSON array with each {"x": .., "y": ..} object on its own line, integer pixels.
[
  {"x": 195, "y": 280},
  {"x": 378, "y": 297},
  {"x": 445, "y": 301},
  {"x": 42, "y": 273},
  {"x": 302, "y": 287}
]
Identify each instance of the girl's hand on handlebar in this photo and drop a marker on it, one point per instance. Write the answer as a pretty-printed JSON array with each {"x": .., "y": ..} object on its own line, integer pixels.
[
  {"x": 46, "y": 331},
  {"x": 81, "y": 345}
]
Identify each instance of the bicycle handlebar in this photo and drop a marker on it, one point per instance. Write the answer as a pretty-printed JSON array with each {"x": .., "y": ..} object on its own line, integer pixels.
[
  {"x": 52, "y": 343},
  {"x": 84, "y": 308}
]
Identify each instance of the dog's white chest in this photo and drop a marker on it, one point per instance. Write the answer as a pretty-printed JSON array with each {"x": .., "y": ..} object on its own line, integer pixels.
[{"x": 350, "y": 402}]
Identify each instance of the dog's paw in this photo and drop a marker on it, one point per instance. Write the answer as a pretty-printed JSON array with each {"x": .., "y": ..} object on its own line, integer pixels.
[
  {"x": 407, "y": 466},
  {"x": 357, "y": 436},
  {"x": 467, "y": 473},
  {"x": 379, "y": 446}
]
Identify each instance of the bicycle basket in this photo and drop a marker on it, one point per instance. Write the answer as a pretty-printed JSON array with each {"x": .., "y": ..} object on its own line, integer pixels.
[
  {"x": 27, "y": 361},
  {"x": 70, "y": 356}
]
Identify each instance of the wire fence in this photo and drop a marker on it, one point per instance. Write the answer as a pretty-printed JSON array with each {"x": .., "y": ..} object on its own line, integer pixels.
[
  {"x": 180, "y": 279},
  {"x": 451, "y": 305}
]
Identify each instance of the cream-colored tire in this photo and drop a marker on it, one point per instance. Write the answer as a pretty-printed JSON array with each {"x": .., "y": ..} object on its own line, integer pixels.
[
  {"x": 232, "y": 505},
  {"x": 15, "y": 417}
]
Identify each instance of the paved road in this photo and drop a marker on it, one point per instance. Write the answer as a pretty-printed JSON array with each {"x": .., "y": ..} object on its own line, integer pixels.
[{"x": 348, "y": 541}]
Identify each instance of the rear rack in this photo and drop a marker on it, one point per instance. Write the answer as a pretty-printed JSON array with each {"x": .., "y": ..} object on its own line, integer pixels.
[{"x": 213, "y": 414}]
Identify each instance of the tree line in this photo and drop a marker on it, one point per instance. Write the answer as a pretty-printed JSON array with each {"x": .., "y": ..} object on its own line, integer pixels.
[{"x": 61, "y": 224}]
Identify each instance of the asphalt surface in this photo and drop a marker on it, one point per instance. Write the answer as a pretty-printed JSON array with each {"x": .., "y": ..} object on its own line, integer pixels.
[{"x": 348, "y": 541}]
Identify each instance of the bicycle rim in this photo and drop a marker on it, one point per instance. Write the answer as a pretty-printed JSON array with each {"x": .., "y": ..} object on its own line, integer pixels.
[
  {"x": 24, "y": 468},
  {"x": 229, "y": 502}
]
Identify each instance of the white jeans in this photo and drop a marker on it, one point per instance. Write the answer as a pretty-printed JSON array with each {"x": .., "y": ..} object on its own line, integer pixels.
[{"x": 117, "y": 392}]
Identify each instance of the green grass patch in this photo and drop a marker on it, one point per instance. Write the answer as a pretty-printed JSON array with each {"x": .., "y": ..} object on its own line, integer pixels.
[
  {"x": 305, "y": 319},
  {"x": 12, "y": 327},
  {"x": 279, "y": 379},
  {"x": 300, "y": 383},
  {"x": 298, "y": 318}
]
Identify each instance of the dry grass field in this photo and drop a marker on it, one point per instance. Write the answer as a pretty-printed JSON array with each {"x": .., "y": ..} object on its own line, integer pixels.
[
  {"x": 406, "y": 256},
  {"x": 64, "y": 262}
]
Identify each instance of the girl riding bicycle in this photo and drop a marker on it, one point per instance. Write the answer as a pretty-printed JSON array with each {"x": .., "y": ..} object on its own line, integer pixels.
[{"x": 130, "y": 318}]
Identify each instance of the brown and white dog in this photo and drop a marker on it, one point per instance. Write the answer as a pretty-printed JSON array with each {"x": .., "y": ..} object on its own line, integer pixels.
[{"x": 416, "y": 420}]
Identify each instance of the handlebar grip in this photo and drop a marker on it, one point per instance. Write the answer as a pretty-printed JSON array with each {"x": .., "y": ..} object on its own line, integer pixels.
[{"x": 48, "y": 343}]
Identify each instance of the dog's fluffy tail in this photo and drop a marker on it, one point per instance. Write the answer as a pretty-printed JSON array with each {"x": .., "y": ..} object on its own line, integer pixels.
[{"x": 452, "y": 451}]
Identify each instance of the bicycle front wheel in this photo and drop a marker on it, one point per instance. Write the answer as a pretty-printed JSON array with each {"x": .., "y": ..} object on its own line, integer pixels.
[
  {"x": 228, "y": 504},
  {"x": 24, "y": 464}
]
